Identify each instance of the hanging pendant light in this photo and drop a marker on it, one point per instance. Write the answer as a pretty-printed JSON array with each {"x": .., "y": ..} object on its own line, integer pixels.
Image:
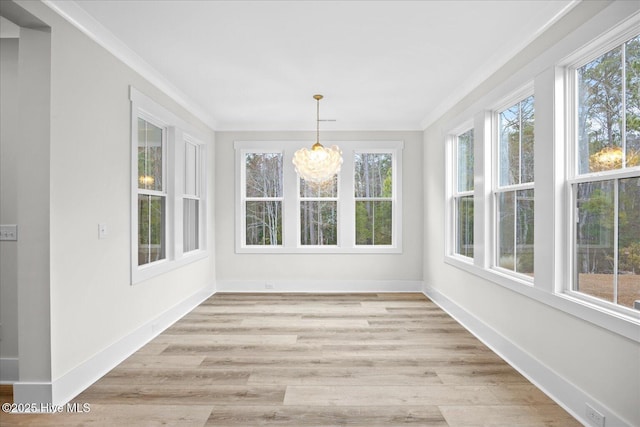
[{"x": 319, "y": 164}]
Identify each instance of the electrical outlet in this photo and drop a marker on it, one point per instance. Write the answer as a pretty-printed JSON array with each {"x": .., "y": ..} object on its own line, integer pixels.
[
  {"x": 595, "y": 418},
  {"x": 9, "y": 232},
  {"x": 268, "y": 285},
  {"x": 102, "y": 231}
]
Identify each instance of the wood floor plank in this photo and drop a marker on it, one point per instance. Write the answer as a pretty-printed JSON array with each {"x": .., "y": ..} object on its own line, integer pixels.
[
  {"x": 389, "y": 395},
  {"x": 296, "y": 416},
  {"x": 354, "y": 360},
  {"x": 110, "y": 415},
  {"x": 228, "y": 339},
  {"x": 301, "y": 322},
  {"x": 144, "y": 361},
  {"x": 186, "y": 394},
  {"x": 343, "y": 376},
  {"x": 496, "y": 373},
  {"x": 519, "y": 394},
  {"x": 507, "y": 415},
  {"x": 175, "y": 377},
  {"x": 312, "y": 360}
]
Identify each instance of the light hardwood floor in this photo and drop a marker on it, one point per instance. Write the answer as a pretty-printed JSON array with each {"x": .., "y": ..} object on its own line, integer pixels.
[{"x": 312, "y": 360}]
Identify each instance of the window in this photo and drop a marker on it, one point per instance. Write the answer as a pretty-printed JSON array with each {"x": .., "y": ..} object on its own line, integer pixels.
[
  {"x": 191, "y": 197},
  {"x": 606, "y": 180},
  {"x": 514, "y": 191},
  {"x": 262, "y": 199},
  {"x": 319, "y": 213},
  {"x": 373, "y": 188},
  {"x": 167, "y": 191},
  {"x": 463, "y": 194},
  {"x": 152, "y": 195},
  {"x": 357, "y": 211}
]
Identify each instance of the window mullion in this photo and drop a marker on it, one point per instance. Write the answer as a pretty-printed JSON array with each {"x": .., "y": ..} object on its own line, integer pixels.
[
  {"x": 347, "y": 202},
  {"x": 290, "y": 201}
]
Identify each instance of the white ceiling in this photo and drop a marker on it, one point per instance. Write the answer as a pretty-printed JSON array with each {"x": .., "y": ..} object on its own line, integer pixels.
[{"x": 381, "y": 65}]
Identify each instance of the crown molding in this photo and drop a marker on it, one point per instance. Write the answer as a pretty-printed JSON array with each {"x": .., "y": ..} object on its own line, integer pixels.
[
  {"x": 494, "y": 64},
  {"x": 79, "y": 18}
]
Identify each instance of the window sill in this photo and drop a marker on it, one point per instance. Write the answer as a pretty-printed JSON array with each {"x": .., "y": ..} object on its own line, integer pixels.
[
  {"x": 620, "y": 323},
  {"x": 319, "y": 250}
]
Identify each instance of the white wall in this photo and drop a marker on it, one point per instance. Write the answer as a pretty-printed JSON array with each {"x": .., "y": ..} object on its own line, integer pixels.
[
  {"x": 601, "y": 366},
  {"x": 8, "y": 198},
  {"x": 325, "y": 268},
  {"x": 33, "y": 206},
  {"x": 92, "y": 303}
]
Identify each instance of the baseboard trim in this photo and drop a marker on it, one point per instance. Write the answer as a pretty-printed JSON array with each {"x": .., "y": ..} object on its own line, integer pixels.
[
  {"x": 9, "y": 370},
  {"x": 319, "y": 286},
  {"x": 563, "y": 392},
  {"x": 65, "y": 388}
]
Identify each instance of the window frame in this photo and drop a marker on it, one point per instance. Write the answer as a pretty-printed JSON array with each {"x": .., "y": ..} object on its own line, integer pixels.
[
  {"x": 392, "y": 199},
  {"x": 164, "y": 192},
  {"x": 291, "y": 198},
  {"x": 242, "y": 193},
  {"x": 200, "y": 192},
  {"x": 176, "y": 132},
  {"x": 453, "y": 194},
  {"x": 588, "y": 53},
  {"x": 514, "y": 98}
]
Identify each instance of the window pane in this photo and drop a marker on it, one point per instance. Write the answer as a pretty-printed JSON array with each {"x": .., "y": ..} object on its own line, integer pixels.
[
  {"x": 150, "y": 165},
  {"x": 595, "y": 239},
  {"x": 465, "y": 161},
  {"x": 516, "y": 143},
  {"x": 509, "y": 146},
  {"x": 629, "y": 241},
  {"x": 264, "y": 222},
  {"x": 191, "y": 224},
  {"x": 515, "y": 231},
  {"x": 524, "y": 232},
  {"x": 632, "y": 67},
  {"x": 318, "y": 223},
  {"x": 600, "y": 113},
  {"x": 151, "y": 228},
  {"x": 506, "y": 232},
  {"x": 327, "y": 188},
  {"x": 464, "y": 226},
  {"x": 263, "y": 174},
  {"x": 373, "y": 222},
  {"x": 373, "y": 175},
  {"x": 190, "y": 169}
]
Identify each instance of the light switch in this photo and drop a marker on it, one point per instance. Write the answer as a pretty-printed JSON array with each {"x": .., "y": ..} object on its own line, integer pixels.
[
  {"x": 102, "y": 231},
  {"x": 9, "y": 232}
]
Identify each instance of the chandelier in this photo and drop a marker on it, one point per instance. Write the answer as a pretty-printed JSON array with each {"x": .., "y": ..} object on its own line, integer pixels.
[{"x": 319, "y": 164}]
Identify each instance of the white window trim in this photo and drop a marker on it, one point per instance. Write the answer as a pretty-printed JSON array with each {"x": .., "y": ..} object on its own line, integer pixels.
[
  {"x": 567, "y": 71},
  {"x": 241, "y": 199},
  {"x": 395, "y": 195},
  {"x": 201, "y": 191},
  {"x": 451, "y": 190},
  {"x": 175, "y": 132},
  {"x": 515, "y": 97},
  {"x": 346, "y": 199},
  {"x": 553, "y": 203}
]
